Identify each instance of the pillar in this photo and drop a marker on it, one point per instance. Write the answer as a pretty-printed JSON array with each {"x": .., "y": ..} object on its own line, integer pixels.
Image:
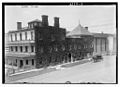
[
  {"x": 18, "y": 63},
  {"x": 71, "y": 59},
  {"x": 24, "y": 63},
  {"x": 101, "y": 45}
]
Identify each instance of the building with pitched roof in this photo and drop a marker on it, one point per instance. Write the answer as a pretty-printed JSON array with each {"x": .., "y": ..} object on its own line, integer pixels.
[{"x": 103, "y": 43}]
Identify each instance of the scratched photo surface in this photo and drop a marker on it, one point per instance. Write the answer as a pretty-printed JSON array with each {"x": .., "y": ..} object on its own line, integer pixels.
[{"x": 60, "y": 44}]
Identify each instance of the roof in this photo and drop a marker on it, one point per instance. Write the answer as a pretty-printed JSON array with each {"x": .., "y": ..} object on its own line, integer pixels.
[
  {"x": 101, "y": 34},
  {"x": 79, "y": 30},
  {"x": 36, "y": 20}
]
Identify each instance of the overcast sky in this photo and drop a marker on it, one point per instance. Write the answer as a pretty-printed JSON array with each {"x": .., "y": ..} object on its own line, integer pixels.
[{"x": 97, "y": 18}]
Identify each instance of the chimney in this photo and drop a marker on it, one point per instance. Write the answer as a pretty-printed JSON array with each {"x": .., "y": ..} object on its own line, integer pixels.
[
  {"x": 44, "y": 20},
  {"x": 19, "y": 25},
  {"x": 56, "y": 22},
  {"x": 86, "y": 28}
]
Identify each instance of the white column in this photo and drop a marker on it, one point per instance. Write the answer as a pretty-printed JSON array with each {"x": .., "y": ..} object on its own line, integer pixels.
[
  {"x": 71, "y": 59},
  {"x": 24, "y": 63}
]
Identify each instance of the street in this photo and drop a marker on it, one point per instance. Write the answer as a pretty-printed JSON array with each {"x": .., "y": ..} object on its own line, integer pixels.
[{"x": 99, "y": 72}]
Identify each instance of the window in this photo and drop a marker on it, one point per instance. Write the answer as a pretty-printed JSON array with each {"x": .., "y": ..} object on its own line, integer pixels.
[
  {"x": 16, "y": 60},
  {"x": 40, "y": 36},
  {"x": 105, "y": 44},
  {"x": 21, "y": 49},
  {"x": 70, "y": 47},
  {"x": 16, "y": 49},
  {"x": 11, "y": 37},
  {"x": 28, "y": 25},
  {"x": 31, "y": 35},
  {"x": 75, "y": 46},
  {"x": 11, "y": 48},
  {"x": 15, "y": 37},
  {"x": 91, "y": 45},
  {"x": 32, "y": 25},
  {"x": 25, "y": 35},
  {"x": 84, "y": 46},
  {"x": 79, "y": 47},
  {"x": 26, "y": 48},
  {"x": 41, "y": 50},
  {"x": 63, "y": 47},
  {"x": 35, "y": 24},
  {"x": 32, "y": 48},
  {"x": 63, "y": 37},
  {"x": 20, "y": 36},
  {"x": 26, "y": 62},
  {"x": 56, "y": 49},
  {"x": 32, "y": 61},
  {"x": 52, "y": 38},
  {"x": 50, "y": 49}
]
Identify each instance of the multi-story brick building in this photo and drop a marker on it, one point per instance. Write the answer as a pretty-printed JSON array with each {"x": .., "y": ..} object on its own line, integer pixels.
[{"x": 40, "y": 45}]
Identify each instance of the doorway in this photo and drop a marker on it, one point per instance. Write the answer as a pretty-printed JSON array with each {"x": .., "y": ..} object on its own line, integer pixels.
[
  {"x": 21, "y": 63},
  {"x": 69, "y": 57}
]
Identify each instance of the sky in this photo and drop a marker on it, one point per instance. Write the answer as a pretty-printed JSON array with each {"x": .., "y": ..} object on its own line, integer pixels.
[{"x": 97, "y": 18}]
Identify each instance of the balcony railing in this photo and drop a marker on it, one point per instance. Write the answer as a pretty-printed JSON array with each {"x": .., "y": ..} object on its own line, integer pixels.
[
  {"x": 21, "y": 42},
  {"x": 19, "y": 54}
]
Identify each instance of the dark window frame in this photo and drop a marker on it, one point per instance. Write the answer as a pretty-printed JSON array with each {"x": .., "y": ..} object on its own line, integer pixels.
[
  {"x": 11, "y": 48},
  {"x": 15, "y": 36},
  {"x": 32, "y": 48},
  {"x": 25, "y": 35},
  {"x": 32, "y": 61},
  {"x": 21, "y": 49},
  {"x": 20, "y": 36},
  {"x": 31, "y": 35},
  {"x": 26, "y": 48},
  {"x": 11, "y": 37},
  {"x": 16, "y": 48},
  {"x": 26, "y": 62}
]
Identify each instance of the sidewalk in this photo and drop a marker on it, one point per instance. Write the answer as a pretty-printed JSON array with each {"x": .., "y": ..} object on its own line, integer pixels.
[
  {"x": 76, "y": 63},
  {"x": 35, "y": 72},
  {"x": 27, "y": 74}
]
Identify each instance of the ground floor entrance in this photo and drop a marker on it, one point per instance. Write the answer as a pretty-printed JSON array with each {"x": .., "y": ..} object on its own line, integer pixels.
[{"x": 21, "y": 63}]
